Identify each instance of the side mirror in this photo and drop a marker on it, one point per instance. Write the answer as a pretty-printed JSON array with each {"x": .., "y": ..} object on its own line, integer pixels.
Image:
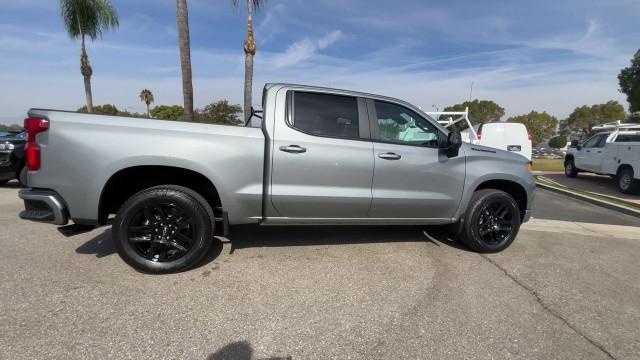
[
  {"x": 574, "y": 143},
  {"x": 454, "y": 141}
]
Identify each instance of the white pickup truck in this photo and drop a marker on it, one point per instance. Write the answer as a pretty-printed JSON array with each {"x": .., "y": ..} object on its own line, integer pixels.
[{"x": 613, "y": 151}]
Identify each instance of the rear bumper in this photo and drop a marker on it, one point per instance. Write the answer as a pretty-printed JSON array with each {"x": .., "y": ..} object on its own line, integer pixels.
[
  {"x": 43, "y": 206},
  {"x": 527, "y": 216}
]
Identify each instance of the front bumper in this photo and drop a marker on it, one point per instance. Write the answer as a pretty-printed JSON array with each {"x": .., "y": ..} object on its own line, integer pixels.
[
  {"x": 527, "y": 216},
  {"x": 43, "y": 206}
]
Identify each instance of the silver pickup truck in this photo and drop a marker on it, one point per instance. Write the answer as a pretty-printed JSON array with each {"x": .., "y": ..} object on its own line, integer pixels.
[{"x": 321, "y": 156}]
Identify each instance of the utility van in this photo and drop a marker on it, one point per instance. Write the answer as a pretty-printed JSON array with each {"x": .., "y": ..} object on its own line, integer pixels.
[{"x": 511, "y": 137}]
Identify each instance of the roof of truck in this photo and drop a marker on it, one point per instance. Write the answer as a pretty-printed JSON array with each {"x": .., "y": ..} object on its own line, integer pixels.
[{"x": 328, "y": 89}]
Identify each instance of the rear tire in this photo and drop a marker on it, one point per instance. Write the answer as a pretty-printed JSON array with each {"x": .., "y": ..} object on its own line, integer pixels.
[
  {"x": 626, "y": 183},
  {"x": 164, "y": 229},
  {"x": 570, "y": 168},
  {"x": 492, "y": 221},
  {"x": 22, "y": 177}
]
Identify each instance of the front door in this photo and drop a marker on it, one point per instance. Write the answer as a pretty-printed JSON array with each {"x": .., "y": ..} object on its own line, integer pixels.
[
  {"x": 413, "y": 178},
  {"x": 589, "y": 157},
  {"x": 322, "y": 158}
]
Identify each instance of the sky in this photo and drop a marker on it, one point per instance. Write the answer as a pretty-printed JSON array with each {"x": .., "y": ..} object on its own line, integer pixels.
[{"x": 526, "y": 55}]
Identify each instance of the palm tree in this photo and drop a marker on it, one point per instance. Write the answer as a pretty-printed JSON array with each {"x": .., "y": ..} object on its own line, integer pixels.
[
  {"x": 185, "y": 57},
  {"x": 146, "y": 96},
  {"x": 87, "y": 18},
  {"x": 249, "y": 53}
]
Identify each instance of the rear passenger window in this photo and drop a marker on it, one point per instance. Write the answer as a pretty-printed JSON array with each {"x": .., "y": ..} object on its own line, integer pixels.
[
  {"x": 628, "y": 138},
  {"x": 326, "y": 115}
]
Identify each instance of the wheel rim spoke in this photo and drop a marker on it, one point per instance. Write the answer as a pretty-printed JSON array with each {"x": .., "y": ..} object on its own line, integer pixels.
[
  {"x": 139, "y": 239},
  {"x": 183, "y": 238},
  {"x": 182, "y": 223},
  {"x": 160, "y": 212},
  {"x": 163, "y": 253},
  {"x": 147, "y": 214},
  {"x": 140, "y": 228},
  {"x": 178, "y": 246},
  {"x": 151, "y": 251}
]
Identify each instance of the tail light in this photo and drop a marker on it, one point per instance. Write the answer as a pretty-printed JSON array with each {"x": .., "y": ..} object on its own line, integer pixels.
[
  {"x": 34, "y": 126},
  {"x": 479, "y": 134},
  {"x": 529, "y": 136}
]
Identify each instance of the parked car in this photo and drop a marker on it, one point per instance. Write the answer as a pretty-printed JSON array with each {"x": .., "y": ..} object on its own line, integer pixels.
[
  {"x": 615, "y": 152},
  {"x": 12, "y": 165},
  {"x": 507, "y": 136},
  {"x": 322, "y": 157}
]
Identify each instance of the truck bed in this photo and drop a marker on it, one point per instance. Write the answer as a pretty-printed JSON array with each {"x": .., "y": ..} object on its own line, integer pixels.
[{"x": 81, "y": 152}]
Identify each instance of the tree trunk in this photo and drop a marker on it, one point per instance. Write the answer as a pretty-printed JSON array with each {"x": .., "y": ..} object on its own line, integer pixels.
[
  {"x": 249, "y": 52},
  {"x": 185, "y": 57},
  {"x": 148, "y": 110},
  {"x": 87, "y": 93},
  {"x": 86, "y": 71},
  {"x": 248, "y": 85}
]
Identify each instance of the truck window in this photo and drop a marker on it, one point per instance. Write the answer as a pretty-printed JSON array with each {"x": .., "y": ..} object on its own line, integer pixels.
[
  {"x": 603, "y": 140},
  {"x": 628, "y": 138},
  {"x": 326, "y": 115},
  {"x": 398, "y": 124},
  {"x": 593, "y": 141}
]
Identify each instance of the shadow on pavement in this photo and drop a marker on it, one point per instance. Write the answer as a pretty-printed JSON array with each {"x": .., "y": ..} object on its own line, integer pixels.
[
  {"x": 100, "y": 246},
  {"x": 239, "y": 350},
  {"x": 247, "y": 236},
  {"x": 11, "y": 185},
  {"x": 250, "y": 236}
]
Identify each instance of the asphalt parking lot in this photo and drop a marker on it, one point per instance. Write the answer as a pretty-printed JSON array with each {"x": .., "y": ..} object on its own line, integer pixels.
[{"x": 566, "y": 289}]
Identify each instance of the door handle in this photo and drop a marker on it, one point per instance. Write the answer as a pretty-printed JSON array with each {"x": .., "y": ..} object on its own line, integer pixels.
[
  {"x": 389, "y": 156},
  {"x": 293, "y": 149},
  {"x": 599, "y": 151},
  {"x": 588, "y": 150}
]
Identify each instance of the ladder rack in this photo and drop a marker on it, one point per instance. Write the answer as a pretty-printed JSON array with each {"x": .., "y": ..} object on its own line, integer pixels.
[{"x": 454, "y": 117}]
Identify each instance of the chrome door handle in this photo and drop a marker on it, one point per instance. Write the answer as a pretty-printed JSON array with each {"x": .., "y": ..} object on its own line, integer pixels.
[
  {"x": 293, "y": 149},
  {"x": 389, "y": 156}
]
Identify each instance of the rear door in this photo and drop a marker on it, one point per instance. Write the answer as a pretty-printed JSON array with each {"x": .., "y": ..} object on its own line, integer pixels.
[
  {"x": 413, "y": 178},
  {"x": 322, "y": 165}
]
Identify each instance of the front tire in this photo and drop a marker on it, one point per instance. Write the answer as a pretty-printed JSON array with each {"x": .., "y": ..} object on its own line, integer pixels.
[
  {"x": 570, "y": 168},
  {"x": 164, "y": 229},
  {"x": 492, "y": 221},
  {"x": 626, "y": 183}
]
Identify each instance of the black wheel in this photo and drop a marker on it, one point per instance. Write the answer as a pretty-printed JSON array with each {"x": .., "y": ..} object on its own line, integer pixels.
[
  {"x": 570, "y": 168},
  {"x": 163, "y": 229},
  {"x": 491, "y": 222},
  {"x": 22, "y": 177},
  {"x": 626, "y": 183},
  {"x": 2, "y": 182}
]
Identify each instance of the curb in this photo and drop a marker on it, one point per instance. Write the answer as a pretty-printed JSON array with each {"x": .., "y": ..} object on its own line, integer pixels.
[{"x": 589, "y": 199}]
